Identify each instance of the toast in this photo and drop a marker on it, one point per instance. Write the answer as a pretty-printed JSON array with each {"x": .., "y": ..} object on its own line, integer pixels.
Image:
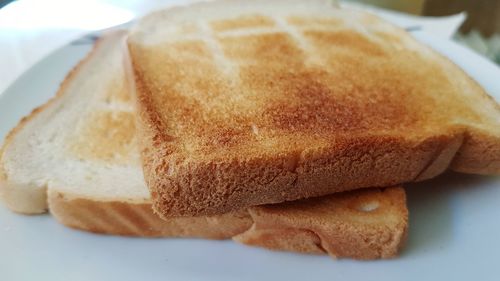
[
  {"x": 77, "y": 157},
  {"x": 244, "y": 103}
]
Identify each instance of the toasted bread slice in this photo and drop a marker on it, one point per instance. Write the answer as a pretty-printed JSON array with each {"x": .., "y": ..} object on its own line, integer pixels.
[
  {"x": 345, "y": 224},
  {"x": 244, "y": 103},
  {"x": 80, "y": 149}
]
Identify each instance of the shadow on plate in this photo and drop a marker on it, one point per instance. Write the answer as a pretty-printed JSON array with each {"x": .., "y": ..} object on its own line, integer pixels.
[{"x": 431, "y": 211}]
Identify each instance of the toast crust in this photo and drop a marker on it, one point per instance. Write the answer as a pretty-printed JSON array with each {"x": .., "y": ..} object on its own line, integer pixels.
[
  {"x": 130, "y": 219},
  {"x": 480, "y": 153},
  {"x": 343, "y": 225},
  {"x": 269, "y": 108},
  {"x": 338, "y": 233},
  {"x": 348, "y": 164}
]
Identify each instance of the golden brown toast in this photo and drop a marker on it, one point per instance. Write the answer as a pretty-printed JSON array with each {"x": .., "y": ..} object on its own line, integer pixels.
[
  {"x": 77, "y": 157},
  {"x": 244, "y": 103},
  {"x": 345, "y": 224}
]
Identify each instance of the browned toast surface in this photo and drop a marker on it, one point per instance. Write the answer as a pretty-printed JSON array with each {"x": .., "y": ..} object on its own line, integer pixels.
[
  {"x": 242, "y": 104},
  {"x": 332, "y": 224},
  {"x": 138, "y": 219},
  {"x": 365, "y": 224},
  {"x": 77, "y": 157}
]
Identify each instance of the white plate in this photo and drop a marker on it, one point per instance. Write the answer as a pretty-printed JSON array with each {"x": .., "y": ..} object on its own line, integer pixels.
[{"x": 454, "y": 220}]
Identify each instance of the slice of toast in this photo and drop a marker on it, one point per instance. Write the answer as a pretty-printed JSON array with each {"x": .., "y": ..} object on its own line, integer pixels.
[
  {"x": 77, "y": 157},
  {"x": 244, "y": 103}
]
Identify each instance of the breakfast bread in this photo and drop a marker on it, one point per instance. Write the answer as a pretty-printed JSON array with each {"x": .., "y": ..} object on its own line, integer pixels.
[
  {"x": 244, "y": 103},
  {"x": 333, "y": 224},
  {"x": 77, "y": 157}
]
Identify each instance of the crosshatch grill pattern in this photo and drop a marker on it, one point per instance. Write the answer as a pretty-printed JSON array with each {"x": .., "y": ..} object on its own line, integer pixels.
[
  {"x": 263, "y": 107},
  {"x": 229, "y": 62}
]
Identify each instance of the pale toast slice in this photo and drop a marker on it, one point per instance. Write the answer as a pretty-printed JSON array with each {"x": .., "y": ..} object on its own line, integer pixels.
[
  {"x": 244, "y": 103},
  {"x": 77, "y": 157}
]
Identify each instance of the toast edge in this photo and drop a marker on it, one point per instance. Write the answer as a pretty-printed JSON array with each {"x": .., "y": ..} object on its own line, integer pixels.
[
  {"x": 406, "y": 162},
  {"x": 340, "y": 241},
  {"x": 129, "y": 219},
  {"x": 344, "y": 241},
  {"x": 480, "y": 154}
]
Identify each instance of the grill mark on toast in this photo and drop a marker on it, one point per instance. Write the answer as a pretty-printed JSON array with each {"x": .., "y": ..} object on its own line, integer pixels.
[
  {"x": 114, "y": 217},
  {"x": 301, "y": 42},
  {"x": 315, "y": 22},
  {"x": 78, "y": 216},
  {"x": 150, "y": 220},
  {"x": 268, "y": 49},
  {"x": 126, "y": 218},
  {"x": 242, "y": 23},
  {"x": 217, "y": 51},
  {"x": 348, "y": 40}
]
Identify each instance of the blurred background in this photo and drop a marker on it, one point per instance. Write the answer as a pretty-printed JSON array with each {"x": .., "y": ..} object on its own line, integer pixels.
[
  {"x": 480, "y": 31},
  {"x": 31, "y": 29}
]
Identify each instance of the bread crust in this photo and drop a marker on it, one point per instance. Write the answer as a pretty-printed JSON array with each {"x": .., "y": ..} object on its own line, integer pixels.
[
  {"x": 479, "y": 152},
  {"x": 350, "y": 231},
  {"x": 336, "y": 225},
  {"x": 350, "y": 164},
  {"x": 344, "y": 235},
  {"x": 130, "y": 219}
]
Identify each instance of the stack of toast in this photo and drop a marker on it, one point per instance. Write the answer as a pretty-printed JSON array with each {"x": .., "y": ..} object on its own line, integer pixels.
[{"x": 285, "y": 124}]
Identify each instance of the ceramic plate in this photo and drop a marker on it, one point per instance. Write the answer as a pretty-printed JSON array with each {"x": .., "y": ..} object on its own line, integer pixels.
[{"x": 454, "y": 219}]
